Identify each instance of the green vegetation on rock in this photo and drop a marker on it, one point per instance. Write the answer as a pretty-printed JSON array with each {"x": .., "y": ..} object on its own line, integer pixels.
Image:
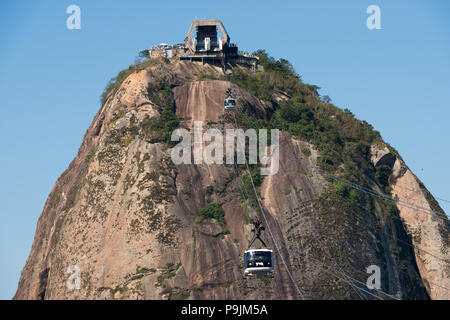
[
  {"x": 342, "y": 140},
  {"x": 211, "y": 211},
  {"x": 159, "y": 129}
]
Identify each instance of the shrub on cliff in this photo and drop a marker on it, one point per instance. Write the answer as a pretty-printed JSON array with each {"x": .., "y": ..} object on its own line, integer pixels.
[
  {"x": 211, "y": 211},
  {"x": 159, "y": 129}
]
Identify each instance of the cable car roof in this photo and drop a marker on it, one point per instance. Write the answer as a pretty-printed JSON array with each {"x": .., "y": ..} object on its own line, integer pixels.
[{"x": 255, "y": 250}]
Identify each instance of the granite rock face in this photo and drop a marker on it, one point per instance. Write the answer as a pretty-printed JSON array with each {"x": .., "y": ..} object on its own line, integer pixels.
[{"x": 125, "y": 215}]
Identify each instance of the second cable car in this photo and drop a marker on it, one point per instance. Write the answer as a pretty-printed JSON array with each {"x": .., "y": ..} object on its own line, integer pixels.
[{"x": 229, "y": 104}]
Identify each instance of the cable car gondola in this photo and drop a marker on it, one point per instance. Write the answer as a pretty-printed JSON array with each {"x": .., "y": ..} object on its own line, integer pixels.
[
  {"x": 258, "y": 261},
  {"x": 229, "y": 103}
]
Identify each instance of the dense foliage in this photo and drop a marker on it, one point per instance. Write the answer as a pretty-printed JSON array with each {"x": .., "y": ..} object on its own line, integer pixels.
[
  {"x": 211, "y": 211},
  {"x": 343, "y": 141}
]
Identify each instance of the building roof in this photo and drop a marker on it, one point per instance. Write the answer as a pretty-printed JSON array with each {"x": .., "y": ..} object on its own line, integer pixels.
[{"x": 205, "y": 22}]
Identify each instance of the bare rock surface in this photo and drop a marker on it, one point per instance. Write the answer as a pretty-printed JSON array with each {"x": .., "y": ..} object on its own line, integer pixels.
[{"x": 429, "y": 234}]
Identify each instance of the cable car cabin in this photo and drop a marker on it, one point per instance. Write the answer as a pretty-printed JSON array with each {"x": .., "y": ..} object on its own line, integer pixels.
[
  {"x": 229, "y": 104},
  {"x": 258, "y": 262}
]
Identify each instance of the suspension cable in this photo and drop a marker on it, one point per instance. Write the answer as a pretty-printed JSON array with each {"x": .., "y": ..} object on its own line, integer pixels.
[{"x": 268, "y": 226}]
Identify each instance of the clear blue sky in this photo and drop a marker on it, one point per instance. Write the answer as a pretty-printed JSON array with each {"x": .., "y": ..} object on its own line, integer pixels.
[{"x": 51, "y": 79}]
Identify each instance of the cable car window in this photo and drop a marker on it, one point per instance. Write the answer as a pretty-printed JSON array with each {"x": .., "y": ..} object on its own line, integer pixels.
[
  {"x": 229, "y": 102},
  {"x": 255, "y": 259}
]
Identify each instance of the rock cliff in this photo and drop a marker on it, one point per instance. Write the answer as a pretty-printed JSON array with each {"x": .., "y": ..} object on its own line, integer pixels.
[{"x": 125, "y": 215}]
